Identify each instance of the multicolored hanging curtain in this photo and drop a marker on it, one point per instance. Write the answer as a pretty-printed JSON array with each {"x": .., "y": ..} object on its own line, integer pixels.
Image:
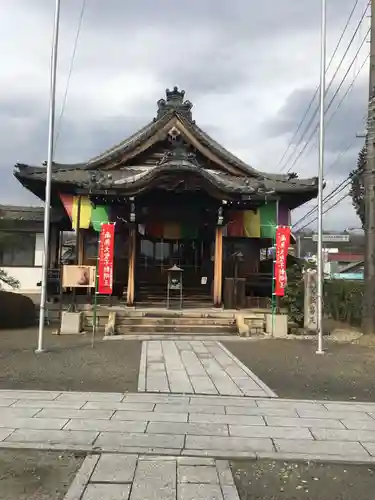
[
  {"x": 260, "y": 223},
  {"x": 99, "y": 216},
  {"x": 171, "y": 230},
  {"x": 83, "y": 206},
  {"x": 88, "y": 214}
]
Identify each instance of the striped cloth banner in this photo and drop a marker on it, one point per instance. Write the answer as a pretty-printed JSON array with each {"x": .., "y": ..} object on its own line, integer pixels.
[
  {"x": 88, "y": 214},
  {"x": 260, "y": 223},
  {"x": 171, "y": 230}
]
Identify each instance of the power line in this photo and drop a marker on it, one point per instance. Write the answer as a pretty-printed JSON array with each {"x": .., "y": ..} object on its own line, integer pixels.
[
  {"x": 327, "y": 209},
  {"x": 318, "y": 87},
  {"x": 329, "y": 196},
  {"x": 72, "y": 60},
  {"x": 337, "y": 160},
  {"x": 340, "y": 103},
  {"x": 349, "y": 89},
  {"x": 328, "y": 88},
  {"x": 329, "y": 104}
]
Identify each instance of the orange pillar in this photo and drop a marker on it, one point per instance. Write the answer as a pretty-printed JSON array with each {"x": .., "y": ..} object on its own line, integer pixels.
[
  {"x": 218, "y": 267},
  {"x": 131, "y": 271}
]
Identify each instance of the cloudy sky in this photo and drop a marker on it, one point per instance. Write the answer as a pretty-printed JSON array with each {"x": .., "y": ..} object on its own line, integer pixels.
[{"x": 250, "y": 68}]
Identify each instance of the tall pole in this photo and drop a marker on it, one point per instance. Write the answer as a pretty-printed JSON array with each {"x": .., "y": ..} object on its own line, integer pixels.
[
  {"x": 47, "y": 204},
  {"x": 368, "y": 324},
  {"x": 321, "y": 177}
]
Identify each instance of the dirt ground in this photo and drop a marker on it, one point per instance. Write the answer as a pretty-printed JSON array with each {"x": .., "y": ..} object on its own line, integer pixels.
[
  {"x": 36, "y": 475},
  {"x": 69, "y": 363},
  {"x": 269, "y": 480},
  {"x": 346, "y": 372}
]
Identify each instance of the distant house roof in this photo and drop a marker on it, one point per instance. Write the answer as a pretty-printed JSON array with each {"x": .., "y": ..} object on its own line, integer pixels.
[
  {"x": 353, "y": 266},
  {"x": 344, "y": 257},
  {"x": 26, "y": 214},
  {"x": 12, "y": 212}
]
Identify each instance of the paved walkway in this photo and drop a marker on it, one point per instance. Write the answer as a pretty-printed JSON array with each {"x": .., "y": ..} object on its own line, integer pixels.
[
  {"x": 196, "y": 367},
  {"x": 132, "y": 477},
  {"x": 167, "y": 424}
]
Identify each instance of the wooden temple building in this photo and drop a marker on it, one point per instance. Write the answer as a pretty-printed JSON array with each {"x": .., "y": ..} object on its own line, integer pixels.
[{"x": 178, "y": 198}]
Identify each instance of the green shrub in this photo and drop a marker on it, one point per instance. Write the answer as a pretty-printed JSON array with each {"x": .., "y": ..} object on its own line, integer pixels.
[
  {"x": 294, "y": 297},
  {"x": 16, "y": 310},
  {"x": 343, "y": 301}
]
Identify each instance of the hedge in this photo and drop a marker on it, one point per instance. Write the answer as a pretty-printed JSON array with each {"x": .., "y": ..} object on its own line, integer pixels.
[
  {"x": 16, "y": 310},
  {"x": 343, "y": 300}
]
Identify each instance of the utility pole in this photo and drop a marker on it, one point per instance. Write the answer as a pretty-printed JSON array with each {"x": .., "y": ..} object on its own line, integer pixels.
[
  {"x": 47, "y": 202},
  {"x": 368, "y": 324},
  {"x": 320, "y": 263}
]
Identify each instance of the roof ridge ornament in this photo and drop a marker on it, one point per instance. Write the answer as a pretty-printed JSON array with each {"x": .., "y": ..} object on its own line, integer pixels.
[
  {"x": 174, "y": 102},
  {"x": 179, "y": 152}
]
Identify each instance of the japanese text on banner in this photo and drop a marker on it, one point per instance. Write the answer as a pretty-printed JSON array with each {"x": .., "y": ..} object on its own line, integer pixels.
[
  {"x": 105, "y": 264},
  {"x": 282, "y": 247}
]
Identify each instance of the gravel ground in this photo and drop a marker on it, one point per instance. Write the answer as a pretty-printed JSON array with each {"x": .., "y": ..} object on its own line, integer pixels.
[
  {"x": 69, "y": 363},
  {"x": 36, "y": 475},
  {"x": 346, "y": 372},
  {"x": 269, "y": 480}
]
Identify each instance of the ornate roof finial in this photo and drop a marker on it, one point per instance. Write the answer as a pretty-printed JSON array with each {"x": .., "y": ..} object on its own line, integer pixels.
[{"x": 174, "y": 102}]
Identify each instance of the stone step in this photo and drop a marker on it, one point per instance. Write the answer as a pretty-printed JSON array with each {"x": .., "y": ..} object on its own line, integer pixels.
[
  {"x": 176, "y": 329},
  {"x": 183, "y": 320}
]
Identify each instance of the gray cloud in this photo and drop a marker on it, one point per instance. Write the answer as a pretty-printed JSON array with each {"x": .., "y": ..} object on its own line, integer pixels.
[
  {"x": 343, "y": 124},
  {"x": 238, "y": 62}
]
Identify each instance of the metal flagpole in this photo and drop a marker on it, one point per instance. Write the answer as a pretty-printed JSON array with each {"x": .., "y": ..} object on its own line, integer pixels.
[
  {"x": 51, "y": 132},
  {"x": 321, "y": 177}
]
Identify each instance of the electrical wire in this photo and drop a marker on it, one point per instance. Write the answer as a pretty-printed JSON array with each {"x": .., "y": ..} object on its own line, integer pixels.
[
  {"x": 318, "y": 87},
  {"x": 330, "y": 195},
  {"x": 312, "y": 118},
  {"x": 327, "y": 210},
  {"x": 329, "y": 104},
  {"x": 333, "y": 192},
  {"x": 72, "y": 60},
  {"x": 340, "y": 103}
]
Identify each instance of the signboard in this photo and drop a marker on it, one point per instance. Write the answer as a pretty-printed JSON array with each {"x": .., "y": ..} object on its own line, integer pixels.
[
  {"x": 282, "y": 246},
  {"x": 333, "y": 238},
  {"x": 78, "y": 277},
  {"x": 105, "y": 263}
]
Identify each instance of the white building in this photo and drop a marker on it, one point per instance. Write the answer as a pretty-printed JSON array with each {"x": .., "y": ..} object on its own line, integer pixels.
[{"x": 21, "y": 245}]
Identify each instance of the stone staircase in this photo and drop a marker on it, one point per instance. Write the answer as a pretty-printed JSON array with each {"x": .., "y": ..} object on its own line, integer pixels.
[
  {"x": 161, "y": 322},
  {"x": 134, "y": 322},
  {"x": 168, "y": 322}
]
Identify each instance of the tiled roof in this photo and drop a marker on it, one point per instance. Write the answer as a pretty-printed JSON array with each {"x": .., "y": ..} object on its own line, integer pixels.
[
  {"x": 134, "y": 175},
  {"x": 11, "y": 212},
  {"x": 169, "y": 109},
  {"x": 345, "y": 257},
  {"x": 27, "y": 214}
]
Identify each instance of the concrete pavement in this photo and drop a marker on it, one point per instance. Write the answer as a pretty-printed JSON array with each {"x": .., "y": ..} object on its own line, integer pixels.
[
  {"x": 212, "y": 426},
  {"x": 133, "y": 477},
  {"x": 196, "y": 367},
  {"x": 198, "y": 407}
]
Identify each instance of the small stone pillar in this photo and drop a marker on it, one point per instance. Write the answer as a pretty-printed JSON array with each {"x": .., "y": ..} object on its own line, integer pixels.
[{"x": 310, "y": 305}]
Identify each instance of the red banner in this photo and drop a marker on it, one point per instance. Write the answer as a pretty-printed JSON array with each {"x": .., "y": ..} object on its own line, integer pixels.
[
  {"x": 282, "y": 247},
  {"x": 105, "y": 264}
]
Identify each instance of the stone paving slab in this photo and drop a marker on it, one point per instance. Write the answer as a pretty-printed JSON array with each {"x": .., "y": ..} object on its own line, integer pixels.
[
  {"x": 115, "y": 469},
  {"x": 195, "y": 425},
  {"x": 139, "y": 477},
  {"x": 196, "y": 367},
  {"x": 49, "y": 436}
]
